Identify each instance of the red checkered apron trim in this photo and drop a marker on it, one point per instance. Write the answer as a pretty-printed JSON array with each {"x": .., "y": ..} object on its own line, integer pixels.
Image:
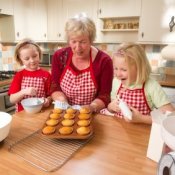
[
  {"x": 80, "y": 88},
  {"x": 36, "y": 82},
  {"x": 135, "y": 98}
]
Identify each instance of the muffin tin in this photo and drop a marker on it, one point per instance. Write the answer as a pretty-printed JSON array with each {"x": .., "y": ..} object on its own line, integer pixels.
[{"x": 74, "y": 134}]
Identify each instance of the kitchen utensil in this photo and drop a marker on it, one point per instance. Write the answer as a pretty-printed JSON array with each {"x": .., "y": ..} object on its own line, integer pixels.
[
  {"x": 168, "y": 131},
  {"x": 32, "y": 105},
  {"x": 125, "y": 109},
  {"x": 45, "y": 153},
  {"x": 5, "y": 123}
]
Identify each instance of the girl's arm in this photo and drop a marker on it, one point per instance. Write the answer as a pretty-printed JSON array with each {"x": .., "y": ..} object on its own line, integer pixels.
[{"x": 18, "y": 96}]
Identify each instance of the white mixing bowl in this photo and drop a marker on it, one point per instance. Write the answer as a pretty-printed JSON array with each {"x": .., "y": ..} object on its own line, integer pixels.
[
  {"x": 32, "y": 105},
  {"x": 168, "y": 131},
  {"x": 5, "y": 123}
]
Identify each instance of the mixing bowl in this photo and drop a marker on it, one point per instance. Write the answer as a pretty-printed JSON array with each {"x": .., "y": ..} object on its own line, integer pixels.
[
  {"x": 5, "y": 123},
  {"x": 32, "y": 105},
  {"x": 168, "y": 131}
]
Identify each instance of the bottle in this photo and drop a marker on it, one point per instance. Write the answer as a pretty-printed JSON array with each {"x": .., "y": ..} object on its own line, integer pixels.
[{"x": 125, "y": 109}]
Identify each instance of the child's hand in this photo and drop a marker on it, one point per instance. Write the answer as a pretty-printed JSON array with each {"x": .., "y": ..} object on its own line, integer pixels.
[
  {"x": 136, "y": 116},
  {"x": 113, "y": 106},
  {"x": 30, "y": 91}
]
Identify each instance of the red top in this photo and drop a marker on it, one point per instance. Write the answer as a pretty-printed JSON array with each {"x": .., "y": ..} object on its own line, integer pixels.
[
  {"x": 102, "y": 68},
  {"x": 40, "y": 79}
]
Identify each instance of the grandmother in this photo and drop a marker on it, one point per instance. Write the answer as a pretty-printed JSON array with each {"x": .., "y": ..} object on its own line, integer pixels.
[{"x": 81, "y": 73}]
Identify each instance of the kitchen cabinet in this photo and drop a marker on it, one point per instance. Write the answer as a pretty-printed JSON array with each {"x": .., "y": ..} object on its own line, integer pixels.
[
  {"x": 55, "y": 20},
  {"x": 74, "y": 7},
  {"x": 60, "y": 10},
  {"x": 39, "y": 20},
  {"x": 6, "y": 7},
  {"x": 119, "y": 22},
  {"x": 29, "y": 20},
  {"x": 154, "y": 22},
  {"x": 119, "y": 8}
]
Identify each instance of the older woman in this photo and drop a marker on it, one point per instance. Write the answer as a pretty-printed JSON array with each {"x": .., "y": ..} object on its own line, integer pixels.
[{"x": 81, "y": 74}]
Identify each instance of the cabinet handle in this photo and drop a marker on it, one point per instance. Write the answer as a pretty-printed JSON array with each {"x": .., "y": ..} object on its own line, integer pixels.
[
  {"x": 0, "y": 10},
  {"x": 171, "y": 24},
  {"x": 99, "y": 11},
  {"x": 142, "y": 34},
  {"x": 17, "y": 34},
  {"x": 45, "y": 35}
]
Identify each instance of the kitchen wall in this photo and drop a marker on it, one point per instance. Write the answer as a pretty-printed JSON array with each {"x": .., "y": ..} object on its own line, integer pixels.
[{"x": 8, "y": 63}]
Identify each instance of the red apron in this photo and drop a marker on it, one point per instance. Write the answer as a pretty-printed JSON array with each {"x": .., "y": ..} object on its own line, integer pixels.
[
  {"x": 80, "y": 88},
  {"x": 135, "y": 98},
  {"x": 37, "y": 82}
]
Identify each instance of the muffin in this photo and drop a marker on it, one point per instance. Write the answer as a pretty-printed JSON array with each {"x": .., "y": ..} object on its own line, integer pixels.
[
  {"x": 84, "y": 116},
  {"x": 70, "y": 111},
  {"x": 48, "y": 130},
  {"x": 83, "y": 122},
  {"x": 67, "y": 122},
  {"x": 66, "y": 130},
  {"x": 85, "y": 110},
  {"x": 69, "y": 116},
  {"x": 57, "y": 111},
  {"x": 52, "y": 122},
  {"x": 83, "y": 130},
  {"x": 55, "y": 116}
]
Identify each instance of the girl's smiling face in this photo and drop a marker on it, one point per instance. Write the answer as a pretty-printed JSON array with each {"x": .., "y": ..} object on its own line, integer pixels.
[
  {"x": 127, "y": 74},
  {"x": 30, "y": 58}
]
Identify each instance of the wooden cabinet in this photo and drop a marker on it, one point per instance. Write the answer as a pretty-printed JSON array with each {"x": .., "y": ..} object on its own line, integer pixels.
[
  {"x": 6, "y": 7},
  {"x": 55, "y": 20},
  {"x": 154, "y": 22},
  {"x": 119, "y": 8}
]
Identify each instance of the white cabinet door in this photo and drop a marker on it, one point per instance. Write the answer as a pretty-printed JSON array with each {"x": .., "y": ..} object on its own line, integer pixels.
[
  {"x": 38, "y": 21},
  {"x": 6, "y": 7},
  {"x": 55, "y": 23},
  {"x": 154, "y": 21},
  {"x": 23, "y": 11},
  {"x": 74, "y": 7},
  {"x": 119, "y": 8}
]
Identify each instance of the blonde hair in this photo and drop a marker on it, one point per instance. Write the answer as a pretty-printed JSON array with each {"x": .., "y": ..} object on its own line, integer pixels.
[
  {"x": 135, "y": 54},
  {"x": 25, "y": 43},
  {"x": 80, "y": 25}
]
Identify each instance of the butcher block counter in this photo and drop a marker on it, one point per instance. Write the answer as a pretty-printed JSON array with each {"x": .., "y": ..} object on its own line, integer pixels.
[{"x": 117, "y": 147}]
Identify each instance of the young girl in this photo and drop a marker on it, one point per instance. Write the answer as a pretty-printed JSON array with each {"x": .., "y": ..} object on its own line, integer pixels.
[
  {"x": 132, "y": 84},
  {"x": 32, "y": 81}
]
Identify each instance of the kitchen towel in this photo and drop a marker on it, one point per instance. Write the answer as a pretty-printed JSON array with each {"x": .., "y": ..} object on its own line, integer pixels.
[{"x": 167, "y": 164}]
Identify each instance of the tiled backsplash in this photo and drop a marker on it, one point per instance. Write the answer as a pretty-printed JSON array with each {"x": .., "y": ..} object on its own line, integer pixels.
[{"x": 8, "y": 63}]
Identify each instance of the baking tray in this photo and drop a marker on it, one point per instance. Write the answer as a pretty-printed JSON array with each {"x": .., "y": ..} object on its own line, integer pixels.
[
  {"x": 45, "y": 153},
  {"x": 74, "y": 134}
]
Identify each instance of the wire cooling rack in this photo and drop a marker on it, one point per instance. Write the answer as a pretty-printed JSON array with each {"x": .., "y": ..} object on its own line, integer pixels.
[{"x": 46, "y": 153}]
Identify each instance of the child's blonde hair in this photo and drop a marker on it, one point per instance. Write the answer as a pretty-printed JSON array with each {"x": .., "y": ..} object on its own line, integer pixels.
[
  {"x": 25, "y": 43},
  {"x": 135, "y": 54}
]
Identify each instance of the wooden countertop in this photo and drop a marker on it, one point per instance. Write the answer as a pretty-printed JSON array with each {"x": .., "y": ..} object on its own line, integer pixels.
[{"x": 116, "y": 148}]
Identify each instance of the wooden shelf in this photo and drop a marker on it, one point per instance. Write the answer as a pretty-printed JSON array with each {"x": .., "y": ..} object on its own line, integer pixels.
[{"x": 119, "y": 30}]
